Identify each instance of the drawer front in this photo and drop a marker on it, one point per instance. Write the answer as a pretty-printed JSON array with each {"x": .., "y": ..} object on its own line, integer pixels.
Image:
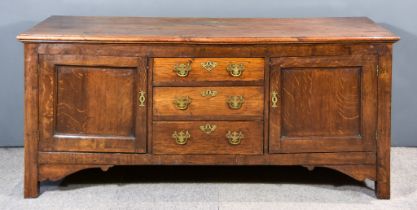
[
  {"x": 208, "y": 137},
  {"x": 179, "y": 71},
  {"x": 208, "y": 102}
]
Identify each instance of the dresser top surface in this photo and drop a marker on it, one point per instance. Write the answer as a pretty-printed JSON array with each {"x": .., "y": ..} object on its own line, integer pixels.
[{"x": 206, "y": 30}]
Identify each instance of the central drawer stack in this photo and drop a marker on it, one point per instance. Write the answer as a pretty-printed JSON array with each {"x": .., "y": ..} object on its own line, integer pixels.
[{"x": 208, "y": 105}]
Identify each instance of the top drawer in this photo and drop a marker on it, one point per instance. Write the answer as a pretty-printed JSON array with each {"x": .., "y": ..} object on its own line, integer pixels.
[{"x": 185, "y": 71}]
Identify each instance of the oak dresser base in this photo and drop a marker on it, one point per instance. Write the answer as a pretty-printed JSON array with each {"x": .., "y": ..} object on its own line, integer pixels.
[{"x": 254, "y": 92}]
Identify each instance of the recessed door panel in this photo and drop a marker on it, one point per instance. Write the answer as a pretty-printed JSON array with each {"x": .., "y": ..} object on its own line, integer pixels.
[
  {"x": 91, "y": 104},
  {"x": 87, "y": 97},
  {"x": 320, "y": 102},
  {"x": 323, "y": 104}
]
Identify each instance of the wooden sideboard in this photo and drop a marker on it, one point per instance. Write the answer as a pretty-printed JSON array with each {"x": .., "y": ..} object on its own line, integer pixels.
[{"x": 106, "y": 91}]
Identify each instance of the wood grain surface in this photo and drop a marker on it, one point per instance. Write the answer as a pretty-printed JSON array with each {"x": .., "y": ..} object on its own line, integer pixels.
[
  {"x": 166, "y": 50},
  {"x": 213, "y": 143},
  {"x": 31, "y": 125},
  {"x": 328, "y": 99},
  {"x": 165, "y": 76},
  {"x": 328, "y": 158},
  {"x": 325, "y": 104},
  {"x": 89, "y": 103},
  {"x": 86, "y": 97},
  {"x": 383, "y": 146},
  {"x": 202, "y": 107},
  {"x": 207, "y": 30}
]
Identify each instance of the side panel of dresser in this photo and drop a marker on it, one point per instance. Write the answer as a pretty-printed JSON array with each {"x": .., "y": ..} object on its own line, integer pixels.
[
  {"x": 323, "y": 104},
  {"x": 92, "y": 103}
]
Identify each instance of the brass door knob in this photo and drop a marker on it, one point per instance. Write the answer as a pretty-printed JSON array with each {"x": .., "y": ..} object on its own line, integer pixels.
[
  {"x": 234, "y": 137},
  {"x": 182, "y": 69},
  {"x": 235, "y": 69},
  {"x": 235, "y": 102},
  {"x": 181, "y": 137},
  {"x": 182, "y": 103}
]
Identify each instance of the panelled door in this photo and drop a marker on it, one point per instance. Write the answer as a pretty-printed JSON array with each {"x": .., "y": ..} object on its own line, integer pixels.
[
  {"x": 92, "y": 103},
  {"x": 323, "y": 104}
]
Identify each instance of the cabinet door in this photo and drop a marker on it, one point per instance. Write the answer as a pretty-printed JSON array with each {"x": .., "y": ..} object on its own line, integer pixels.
[
  {"x": 92, "y": 103},
  {"x": 323, "y": 104}
]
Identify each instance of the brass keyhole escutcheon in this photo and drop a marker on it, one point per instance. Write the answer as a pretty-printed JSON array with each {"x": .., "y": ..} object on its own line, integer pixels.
[
  {"x": 141, "y": 98},
  {"x": 210, "y": 93},
  {"x": 209, "y": 65},
  {"x": 234, "y": 137},
  {"x": 235, "y": 102},
  {"x": 182, "y": 102},
  {"x": 235, "y": 69},
  {"x": 182, "y": 69},
  {"x": 274, "y": 99},
  {"x": 181, "y": 137},
  {"x": 207, "y": 128}
]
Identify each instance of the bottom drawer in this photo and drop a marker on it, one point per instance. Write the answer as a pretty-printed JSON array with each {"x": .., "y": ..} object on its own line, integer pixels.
[{"x": 208, "y": 137}]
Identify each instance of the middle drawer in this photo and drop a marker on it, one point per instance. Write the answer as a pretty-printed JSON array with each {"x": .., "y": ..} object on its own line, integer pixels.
[{"x": 208, "y": 102}]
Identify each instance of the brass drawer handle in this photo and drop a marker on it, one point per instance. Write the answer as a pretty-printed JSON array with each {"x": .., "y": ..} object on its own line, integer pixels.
[
  {"x": 141, "y": 98},
  {"x": 181, "y": 137},
  {"x": 211, "y": 93},
  {"x": 235, "y": 70},
  {"x": 235, "y": 102},
  {"x": 182, "y": 69},
  {"x": 274, "y": 99},
  {"x": 207, "y": 128},
  {"x": 182, "y": 102},
  {"x": 234, "y": 137},
  {"x": 209, "y": 65}
]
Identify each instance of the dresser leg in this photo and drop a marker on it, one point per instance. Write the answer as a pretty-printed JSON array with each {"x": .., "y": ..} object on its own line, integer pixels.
[
  {"x": 31, "y": 181},
  {"x": 382, "y": 190},
  {"x": 382, "y": 184},
  {"x": 383, "y": 134},
  {"x": 31, "y": 188}
]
